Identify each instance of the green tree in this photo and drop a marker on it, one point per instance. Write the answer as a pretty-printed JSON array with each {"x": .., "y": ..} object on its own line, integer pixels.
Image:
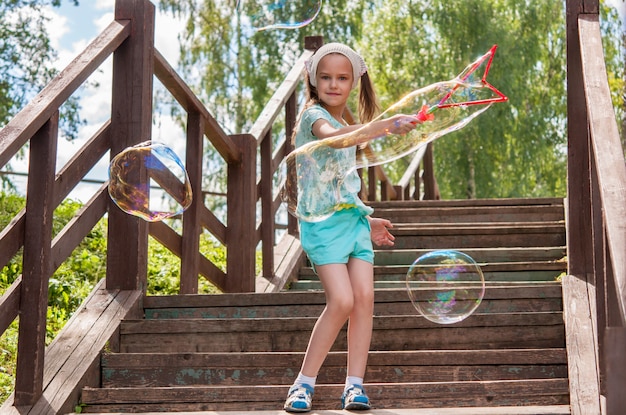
[
  {"x": 514, "y": 149},
  {"x": 25, "y": 62}
]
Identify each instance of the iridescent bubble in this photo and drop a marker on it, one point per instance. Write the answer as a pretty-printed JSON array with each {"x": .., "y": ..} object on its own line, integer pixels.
[
  {"x": 279, "y": 14},
  {"x": 313, "y": 183},
  {"x": 148, "y": 180},
  {"x": 445, "y": 286}
]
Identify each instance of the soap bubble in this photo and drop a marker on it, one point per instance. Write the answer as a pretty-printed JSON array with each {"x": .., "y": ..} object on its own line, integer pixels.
[
  {"x": 148, "y": 180},
  {"x": 445, "y": 286},
  {"x": 314, "y": 178},
  {"x": 279, "y": 14}
]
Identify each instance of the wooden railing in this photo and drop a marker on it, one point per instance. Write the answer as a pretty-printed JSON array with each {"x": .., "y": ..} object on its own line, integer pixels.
[
  {"x": 130, "y": 39},
  {"x": 596, "y": 213}
]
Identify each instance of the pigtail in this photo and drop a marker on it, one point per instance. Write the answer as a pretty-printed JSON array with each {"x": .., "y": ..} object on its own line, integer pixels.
[{"x": 368, "y": 103}]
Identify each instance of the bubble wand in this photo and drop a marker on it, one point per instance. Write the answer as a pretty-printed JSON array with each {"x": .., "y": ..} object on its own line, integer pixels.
[{"x": 426, "y": 112}]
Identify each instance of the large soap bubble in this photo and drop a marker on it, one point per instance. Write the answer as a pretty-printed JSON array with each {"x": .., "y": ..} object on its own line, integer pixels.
[
  {"x": 279, "y": 14},
  {"x": 313, "y": 184},
  {"x": 148, "y": 180},
  {"x": 445, "y": 286}
]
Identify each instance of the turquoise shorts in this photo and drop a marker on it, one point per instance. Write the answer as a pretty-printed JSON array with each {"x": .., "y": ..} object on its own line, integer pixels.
[{"x": 344, "y": 235}]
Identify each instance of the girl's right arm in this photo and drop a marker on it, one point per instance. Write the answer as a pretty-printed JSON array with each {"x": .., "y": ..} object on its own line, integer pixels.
[{"x": 361, "y": 133}]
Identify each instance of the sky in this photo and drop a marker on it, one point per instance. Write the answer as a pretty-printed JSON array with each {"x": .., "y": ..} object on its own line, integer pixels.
[{"x": 71, "y": 29}]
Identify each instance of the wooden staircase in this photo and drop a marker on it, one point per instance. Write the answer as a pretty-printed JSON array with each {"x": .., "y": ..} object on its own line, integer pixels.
[{"x": 240, "y": 352}]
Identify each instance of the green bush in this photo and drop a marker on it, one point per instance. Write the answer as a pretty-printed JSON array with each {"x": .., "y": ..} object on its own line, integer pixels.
[{"x": 77, "y": 276}]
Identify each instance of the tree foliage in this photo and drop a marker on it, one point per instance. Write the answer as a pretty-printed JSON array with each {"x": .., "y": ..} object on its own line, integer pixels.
[
  {"x": 26, "y": 57},
  {"x": 516, "y": 149}
]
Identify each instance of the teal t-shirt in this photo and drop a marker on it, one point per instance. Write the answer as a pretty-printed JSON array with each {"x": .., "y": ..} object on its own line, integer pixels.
[{"x": 327, "y": 179}]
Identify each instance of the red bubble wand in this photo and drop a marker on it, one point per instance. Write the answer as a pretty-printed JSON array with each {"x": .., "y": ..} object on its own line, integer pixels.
[{"x": 426, "y": 112}]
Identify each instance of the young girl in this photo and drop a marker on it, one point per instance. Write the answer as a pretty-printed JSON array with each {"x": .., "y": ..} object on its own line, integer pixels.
[{"x": 340, "y": 247}]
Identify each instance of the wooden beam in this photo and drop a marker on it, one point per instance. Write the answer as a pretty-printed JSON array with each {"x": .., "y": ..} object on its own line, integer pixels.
[
  {"x": 131, "y": 123},
  {"x": 578, "y": 313},
  {"x": 37, "y": 263}
]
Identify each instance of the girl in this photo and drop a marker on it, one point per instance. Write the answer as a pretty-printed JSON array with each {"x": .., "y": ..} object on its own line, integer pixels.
[{"x": 340, "y": 247}]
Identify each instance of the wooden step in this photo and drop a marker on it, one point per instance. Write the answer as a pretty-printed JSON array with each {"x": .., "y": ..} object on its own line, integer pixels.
[
  {"x": 499, "y": 297},
  {"x": 394, "y": 256},
  {"x": 453, "y": 212},
  {"x": 383, "y": 395},
  {"x": 494, "y": 202},
  {"x": 478, "y": 236},
  {"x": 493, "y": 272},
  {"x": 501, "y": 410},
  {"x": 411, "y": 332},
  {"x": 267, "y": 368}
]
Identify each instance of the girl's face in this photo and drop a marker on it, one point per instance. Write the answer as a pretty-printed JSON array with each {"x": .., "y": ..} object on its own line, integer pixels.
[{"x": 334, "y": 79}]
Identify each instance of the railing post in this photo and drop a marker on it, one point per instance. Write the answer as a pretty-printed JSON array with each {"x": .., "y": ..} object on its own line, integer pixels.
[
  {"x": 37, "y": 264},
  {"x": 241, "y": 235},
  {"x": 579, "y": 232},
  {"x": 267, "y": 205},
  {"x": 131, "y": 123},
  {"x": 430, "y": 184},
  {"x": 291, "y": 114},
  {"x": 615, "y": 344},
  {"x": 189, "y": 268}
]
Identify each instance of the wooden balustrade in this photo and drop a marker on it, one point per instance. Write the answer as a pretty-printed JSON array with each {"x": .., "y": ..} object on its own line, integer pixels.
[{"x": 596, "y": 226}]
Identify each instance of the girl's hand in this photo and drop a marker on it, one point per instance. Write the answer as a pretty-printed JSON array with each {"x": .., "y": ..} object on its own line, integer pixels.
[
  {"x": 402, "y": 124},
  {"x": 380, "y": 231}
]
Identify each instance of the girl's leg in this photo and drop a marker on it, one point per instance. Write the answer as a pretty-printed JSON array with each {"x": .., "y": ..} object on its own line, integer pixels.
[
  {"x": 335, "y": 279},
  {"x": 361, "y": 274}
]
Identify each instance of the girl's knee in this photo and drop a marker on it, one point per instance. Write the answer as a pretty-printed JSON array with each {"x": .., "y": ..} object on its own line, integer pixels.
[{"x": 341, "y": 305}]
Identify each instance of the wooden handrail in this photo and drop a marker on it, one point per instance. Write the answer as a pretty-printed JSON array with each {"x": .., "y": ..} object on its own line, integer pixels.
[
  {"x": 596, "y": 223},
  {"x": 608, "y": 154}
]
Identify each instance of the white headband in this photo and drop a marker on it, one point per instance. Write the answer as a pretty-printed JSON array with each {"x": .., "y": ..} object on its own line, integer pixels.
[{"x": 358, "y": 64}]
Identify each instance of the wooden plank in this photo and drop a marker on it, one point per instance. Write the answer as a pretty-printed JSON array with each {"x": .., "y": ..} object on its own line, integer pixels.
[
  {"x": 131, "y": 124},
  {"x": 607, "y": 151},
  {"x": 387, "y": 395},
  {"x": 515, "y": 410},
  {"x": 273, "y": 375},
  {"x": 12, "y": 237},
  {"x": 190, "y": 244},
  {"x": 508, "y": 410},
  {"x": 250, "y": 325},
  {"x": 82, "y": 366},
  {"x": 493, "y": 254},
  {"x": 81, "y": 339},
  {"x": 581, "y": 347},
  {"x": 289, "y": 258},
  {"x": 241, "y": 238},
  {"x": 10, "y": 304},
  {"x": 37, "y": 263},
  {"x": 390, "y": 333},
  {"x": 506, "y": 290},
  {"x": 288, "y": 359},
  {"x": 411, "y": 204},
  {"x": 615, "y": 344}
]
